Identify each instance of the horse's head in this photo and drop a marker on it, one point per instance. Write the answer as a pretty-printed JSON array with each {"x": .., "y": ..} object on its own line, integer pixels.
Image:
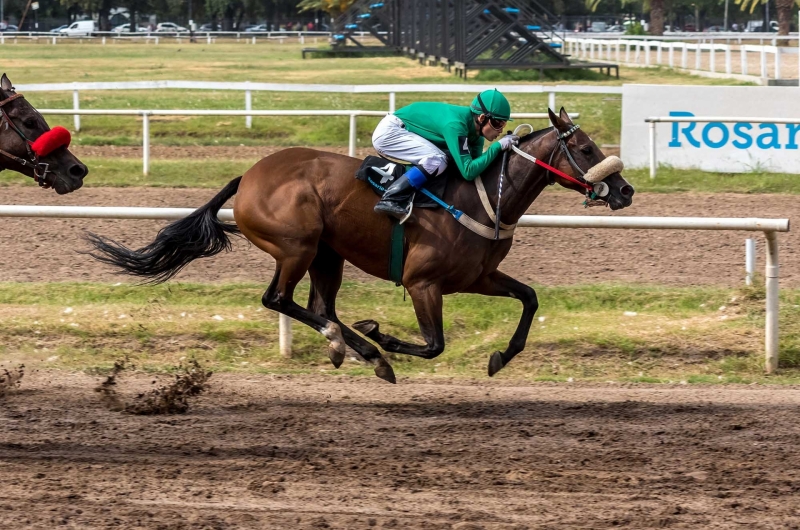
[
  {"x": 580, "y": 165},
  {"x": 30, "y": 147}
]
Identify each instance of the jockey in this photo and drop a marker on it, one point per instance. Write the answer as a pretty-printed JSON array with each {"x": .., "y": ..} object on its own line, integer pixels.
[{"x": 420, "y": 134}]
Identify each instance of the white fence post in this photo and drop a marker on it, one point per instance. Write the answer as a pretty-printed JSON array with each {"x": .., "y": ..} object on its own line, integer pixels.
[
  {"x": 285, "y": 335},
  {"x": 659, "y": 47},
  {"x": 352, "y": 146},
  {"x": 763, "y": 62},
  {"x": 671, "y": 55},
  {"x": 743, "y": 54},
  {"x": 551, "y": 100},
  {"x": 712, "y": 59},
  {"x": 248, "y": 105},
  {"x": 145, "y": 142},
  {"x": 728, "y": 65},
  {"x": 627, "y": 52},
  {"x": 652, "y": 149},
  {"x": 749, "y": 260},
  {"x": 777, "y": 63},
  {"x": 772, "y": 273},
  {"x": 646, "y": 53},
  {"x": 392, "y": 102},
  {"x": 76, "y": 105},
  {"x": 619, "y": 43},
  {"x": 697, "y": 57},
  {"x": 684, "y": 56}
]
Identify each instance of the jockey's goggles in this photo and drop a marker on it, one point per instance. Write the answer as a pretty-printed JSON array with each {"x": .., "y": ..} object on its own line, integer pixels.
[{"x": 496, "y": 124}]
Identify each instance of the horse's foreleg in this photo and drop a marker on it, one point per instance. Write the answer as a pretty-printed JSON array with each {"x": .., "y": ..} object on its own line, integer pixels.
[
  {"x": 326, "y": 279},
  {"x": 427, "y": 300},
  {"x": 499, "y": 284}
]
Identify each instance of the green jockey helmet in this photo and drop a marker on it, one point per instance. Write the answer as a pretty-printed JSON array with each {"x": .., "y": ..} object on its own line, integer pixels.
[{"x": 493, "y": 104}]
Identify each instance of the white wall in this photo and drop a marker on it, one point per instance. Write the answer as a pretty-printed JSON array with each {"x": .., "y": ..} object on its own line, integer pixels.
[{"x": 712, "y": 146}]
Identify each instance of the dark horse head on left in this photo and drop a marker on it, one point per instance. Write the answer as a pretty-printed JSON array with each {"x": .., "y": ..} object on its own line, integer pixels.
[{"x": 30, "y": 147}]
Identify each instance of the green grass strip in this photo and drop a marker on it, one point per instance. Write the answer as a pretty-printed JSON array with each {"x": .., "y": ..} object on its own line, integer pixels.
[{"x": 587, "y": 333}]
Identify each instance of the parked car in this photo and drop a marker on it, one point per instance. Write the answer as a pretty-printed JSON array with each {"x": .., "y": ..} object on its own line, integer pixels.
[
  {"x": 9, "y": 27},
  {"x": 689, "y": 27},
  {"x": 207, "y": 27},
  {"x": 259, "y": 27},
  {"x": 126, "y": 28},
  {"x": 615, "y": 29},
  {"x": 59, "y": 28},
  {"x": 79, "y": 28},
  {"x": 170, "y": 27},
  {"x": 714, "y": 29},
  {"x": 758, "y": 26}
]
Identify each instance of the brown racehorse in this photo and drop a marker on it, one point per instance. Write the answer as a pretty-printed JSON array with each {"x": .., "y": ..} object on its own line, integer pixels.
[
  {"x": 306, "y": 210},
  {"x": 20, "y": 128}
]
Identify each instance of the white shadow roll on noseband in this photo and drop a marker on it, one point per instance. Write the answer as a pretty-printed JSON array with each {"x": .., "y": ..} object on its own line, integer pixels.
[{"x": 606, "y": 167}]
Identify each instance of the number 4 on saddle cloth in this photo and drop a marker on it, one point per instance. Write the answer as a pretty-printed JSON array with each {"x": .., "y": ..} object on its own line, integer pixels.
[{"x": 380, "y": 173}]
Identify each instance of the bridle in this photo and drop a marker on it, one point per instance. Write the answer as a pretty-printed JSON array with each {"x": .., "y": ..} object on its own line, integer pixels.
[
  {"x": 592, "y": 191},
  {"x": 40, "y": 169}
]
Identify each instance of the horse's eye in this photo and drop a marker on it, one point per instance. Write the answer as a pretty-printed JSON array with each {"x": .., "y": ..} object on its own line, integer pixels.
[
  {"x": 586, "y": 150},
  {"x": 30, "y": 123}
]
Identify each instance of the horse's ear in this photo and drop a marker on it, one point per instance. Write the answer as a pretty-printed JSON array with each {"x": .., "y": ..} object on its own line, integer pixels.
[
  {"x": 5, "y": 84},
  {"x": 564, "y": 116},
  {"x": 557, "y": 122}
]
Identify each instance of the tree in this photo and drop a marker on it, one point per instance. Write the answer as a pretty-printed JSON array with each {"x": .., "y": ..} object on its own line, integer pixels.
[
  {"x": 785, "y": 10},
  {"x": 333, "y": 7}
]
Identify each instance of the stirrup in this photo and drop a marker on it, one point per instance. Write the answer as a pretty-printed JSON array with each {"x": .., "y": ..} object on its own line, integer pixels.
[{"x": 410, "y": 209}]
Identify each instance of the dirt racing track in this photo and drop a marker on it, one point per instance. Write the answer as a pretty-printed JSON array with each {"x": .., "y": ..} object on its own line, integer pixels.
[{"x": 280, "y": 452}]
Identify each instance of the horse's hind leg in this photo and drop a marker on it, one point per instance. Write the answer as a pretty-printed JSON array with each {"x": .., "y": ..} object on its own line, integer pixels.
[
  {"x": 326, "y": 279},
  {"x": 280, "y": 297},
  {"x": 427, "y": 298}
]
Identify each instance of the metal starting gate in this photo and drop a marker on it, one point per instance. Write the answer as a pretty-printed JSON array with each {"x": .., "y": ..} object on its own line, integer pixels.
[{"x": 460, "y": 34}]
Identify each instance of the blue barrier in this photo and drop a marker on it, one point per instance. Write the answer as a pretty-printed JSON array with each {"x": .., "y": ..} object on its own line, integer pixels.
[{"x": 512, "y": 10}]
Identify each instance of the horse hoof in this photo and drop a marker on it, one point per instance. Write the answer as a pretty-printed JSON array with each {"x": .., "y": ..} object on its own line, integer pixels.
[
  {"x": 336, "y": 354},
  {"x": 384, "y": 371},
  {"x": 365, "y": 327},
  {"x": 496, "y": 363}
]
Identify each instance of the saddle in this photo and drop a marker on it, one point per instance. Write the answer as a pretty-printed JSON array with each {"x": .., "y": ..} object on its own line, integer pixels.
[{"x": 380, "y": 173}]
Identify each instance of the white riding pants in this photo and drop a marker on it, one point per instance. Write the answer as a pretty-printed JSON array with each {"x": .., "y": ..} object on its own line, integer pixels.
[{"x": 393, "y": 140}]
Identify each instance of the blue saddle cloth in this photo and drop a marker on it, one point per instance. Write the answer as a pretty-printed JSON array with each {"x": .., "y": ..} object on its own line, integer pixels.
[{"x": 380, "y": 173}]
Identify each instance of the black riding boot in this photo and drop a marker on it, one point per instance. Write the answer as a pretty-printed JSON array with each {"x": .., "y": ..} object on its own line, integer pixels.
[{"x": 395, "y": 199}]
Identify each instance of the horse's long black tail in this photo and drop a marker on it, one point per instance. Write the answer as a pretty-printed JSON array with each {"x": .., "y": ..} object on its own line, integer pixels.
[{"x": 199, "y": 235}]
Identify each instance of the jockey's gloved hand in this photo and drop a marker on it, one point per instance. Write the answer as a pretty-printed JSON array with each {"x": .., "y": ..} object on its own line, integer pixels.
[{"x": 507, "y": 141}]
